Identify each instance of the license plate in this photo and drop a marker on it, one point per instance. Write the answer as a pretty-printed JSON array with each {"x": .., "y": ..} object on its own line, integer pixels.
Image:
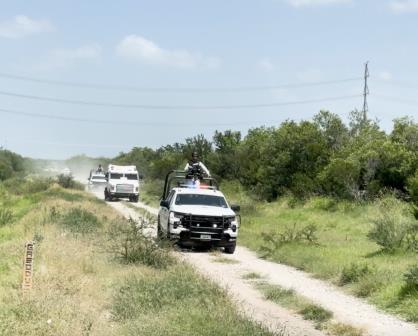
[{"x": 205, "y": 237}]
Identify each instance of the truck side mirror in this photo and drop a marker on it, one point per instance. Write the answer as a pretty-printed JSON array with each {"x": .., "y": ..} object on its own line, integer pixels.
[
  {"x": 235, "y": 208},
  {"x": 164, "y": 204}
]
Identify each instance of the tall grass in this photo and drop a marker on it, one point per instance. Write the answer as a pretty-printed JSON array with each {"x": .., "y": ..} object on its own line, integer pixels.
[
  {"x": 80, "y": 289},
  {"x": 178, "y": 302},
  {"x": 343, "y": 253}
]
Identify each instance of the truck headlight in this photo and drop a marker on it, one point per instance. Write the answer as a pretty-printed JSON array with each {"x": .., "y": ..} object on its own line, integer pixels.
[
  {"x": 136, "y": 188},
  {"x": 112, "y": 187},
  {"x": 231, "y": 223},
  {"x": 175, "y": 217}
]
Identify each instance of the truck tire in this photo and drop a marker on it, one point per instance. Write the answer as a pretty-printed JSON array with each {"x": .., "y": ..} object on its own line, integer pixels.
[
  {"x": 230, "y": 249},
  {"x": 134, "y": 199}
]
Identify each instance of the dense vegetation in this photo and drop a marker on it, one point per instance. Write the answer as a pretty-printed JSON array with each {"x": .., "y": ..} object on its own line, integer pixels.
[
  {"x": 11, "y": 164},
  {"x": 319, "y": 157}
]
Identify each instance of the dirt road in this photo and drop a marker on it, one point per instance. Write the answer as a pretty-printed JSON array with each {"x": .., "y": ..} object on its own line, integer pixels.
[{"x": 346, "y": 309}]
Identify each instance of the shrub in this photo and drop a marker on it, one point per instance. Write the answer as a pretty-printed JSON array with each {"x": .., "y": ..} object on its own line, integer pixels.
[
  {"x": 36, "y": 185},
  {"x": 324, "y": 203},
  {"x": 129, "y": 241},
  {"x": 412, "y": 186},
  {"x": 315, "y": 313},
  {"x": 78, "y": 220},
  {"x": 368, "y": 284},
  {"x": 273, "y": 240},
  {"x": 411, "y": 277},
  {"x": 25, "y": 186},
  {"x": 353, "y": 273},
  {"x": 394, "y": 227},
  {"x": 68, "y": 182},
  {"x": 6, "y": 216}
]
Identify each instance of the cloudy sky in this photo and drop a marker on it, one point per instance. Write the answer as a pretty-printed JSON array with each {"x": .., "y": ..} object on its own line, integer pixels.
[{"x": 99, "y": 77}]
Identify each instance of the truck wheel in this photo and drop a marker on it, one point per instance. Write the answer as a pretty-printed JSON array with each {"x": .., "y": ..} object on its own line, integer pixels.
[{"x": 230, "y": 249}]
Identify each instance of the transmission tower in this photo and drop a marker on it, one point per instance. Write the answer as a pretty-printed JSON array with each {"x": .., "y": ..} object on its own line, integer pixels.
[{"x": 365, "y": 91}]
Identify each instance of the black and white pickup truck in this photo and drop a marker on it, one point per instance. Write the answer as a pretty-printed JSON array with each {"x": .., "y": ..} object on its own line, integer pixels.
[{"x": 197, "y": 215}]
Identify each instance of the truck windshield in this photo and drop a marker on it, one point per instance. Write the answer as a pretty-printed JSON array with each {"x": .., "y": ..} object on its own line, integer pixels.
[
  {"x": 193, "y": 199},
  {"x": 115, "y": 176},
  {"x": 131, "y": 176}
]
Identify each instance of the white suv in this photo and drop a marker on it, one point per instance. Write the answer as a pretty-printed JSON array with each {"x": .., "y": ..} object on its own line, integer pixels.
[{"x": 195, "y": 217}]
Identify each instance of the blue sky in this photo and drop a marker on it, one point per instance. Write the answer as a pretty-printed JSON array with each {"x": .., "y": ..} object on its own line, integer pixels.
[{"x": 196, "y": 44}]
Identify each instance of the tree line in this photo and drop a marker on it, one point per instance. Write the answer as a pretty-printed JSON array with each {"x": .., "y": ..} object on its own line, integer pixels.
[
  {"x": 11, "y": 164},
  {"x": 323, "y": 156}
]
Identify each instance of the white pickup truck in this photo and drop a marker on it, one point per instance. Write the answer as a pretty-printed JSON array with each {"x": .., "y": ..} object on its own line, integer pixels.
[
  {"x": 122, "y": 182},
  {"x": 198, "y": 216}
]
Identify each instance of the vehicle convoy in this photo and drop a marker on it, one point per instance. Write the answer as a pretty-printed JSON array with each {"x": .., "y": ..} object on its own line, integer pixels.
[
  {"x": 122, "y": 182},
  {"x": 194, "y": 212},
  {"x": 96, "y": 180}
]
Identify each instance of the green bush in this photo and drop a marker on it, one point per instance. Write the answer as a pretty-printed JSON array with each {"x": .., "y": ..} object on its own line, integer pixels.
[
  {"x": 6, "y": 216},
  {"x": 129, "y": 241},
  {"x": 292, "y": 234},
  {"x": 353, "y": 273},
  {"x": 340, "y": 178},
  {"x": 411, "y": 277},
  {"x": 315, "y": 313},
  {"x": 78, "y": 220},
  {"x": 368, "y": 284},
  {"x": 25, "y": 186},
  {"x": 412, "y": 186},
  {"x": 395, "y": 226},
  {"x": 324, "y": 203},
  {"x": 68, "y": 182}
]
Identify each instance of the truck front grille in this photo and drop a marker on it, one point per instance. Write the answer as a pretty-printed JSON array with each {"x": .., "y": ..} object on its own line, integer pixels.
[
  {"x": 124, "y": 188},
  {"x": 213, "y": 225}
]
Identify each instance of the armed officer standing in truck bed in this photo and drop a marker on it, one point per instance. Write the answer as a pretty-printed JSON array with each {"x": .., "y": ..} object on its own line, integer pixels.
[{"x": 195, "y": 167}]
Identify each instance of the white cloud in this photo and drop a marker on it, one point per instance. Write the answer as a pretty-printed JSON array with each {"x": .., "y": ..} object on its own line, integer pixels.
[
  {"x": 385, "y": 75},
  {"x": 311, "y": 3},
  {"x": 63, "y": 57},
  {"x": 140, "y": 49},
  {"x": 22, "y": 26},
  {"x": 404, "y": 6},
  {"x": 265, "y": 64}
]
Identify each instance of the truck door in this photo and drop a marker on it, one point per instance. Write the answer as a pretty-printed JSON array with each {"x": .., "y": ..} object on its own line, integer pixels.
[{"x": 165, "y": 213}]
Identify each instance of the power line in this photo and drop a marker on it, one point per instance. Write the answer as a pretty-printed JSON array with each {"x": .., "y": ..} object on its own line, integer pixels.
[
  {"x": 401, "y": 84},
  {"x": 129, "y": 123},
  {"x": 173, "y": 107},
  {"x": 397, "y": 99},
  {"x": 68, "y": 144},
  {"x": 176, "y": 90}
]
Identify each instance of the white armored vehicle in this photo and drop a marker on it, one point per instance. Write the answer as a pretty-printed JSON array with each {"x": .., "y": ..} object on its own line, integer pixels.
[
  {"x": 197, "y": 214},
  {"x": 96, "y": 180},
  {"x": 122, "y": 182}
]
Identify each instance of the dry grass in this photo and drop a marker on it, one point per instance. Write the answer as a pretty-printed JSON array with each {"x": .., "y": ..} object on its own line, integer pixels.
[{"x": 78, "y": 281}]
